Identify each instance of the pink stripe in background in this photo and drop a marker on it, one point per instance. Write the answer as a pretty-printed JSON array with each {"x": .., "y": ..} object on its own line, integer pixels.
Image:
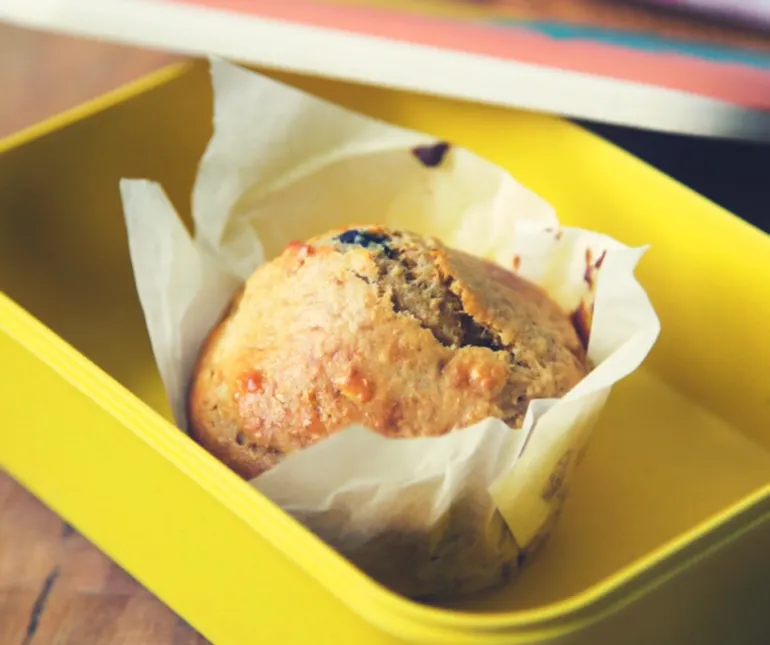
[{"x": 738, "y": 84}]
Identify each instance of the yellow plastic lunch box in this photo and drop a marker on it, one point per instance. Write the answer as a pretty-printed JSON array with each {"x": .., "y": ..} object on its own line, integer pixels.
[{"x": 665, "y": 537}]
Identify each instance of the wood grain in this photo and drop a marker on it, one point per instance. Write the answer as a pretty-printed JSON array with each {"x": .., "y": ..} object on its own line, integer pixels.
[
  {"x": 55, "y": 587},
  {"x": 42, "y": 74},
  {"x": 58, "y": 589}
]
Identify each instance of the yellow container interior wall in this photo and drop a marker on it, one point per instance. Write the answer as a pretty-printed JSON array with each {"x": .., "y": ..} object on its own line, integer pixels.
[{"x": 686, "y": 438}]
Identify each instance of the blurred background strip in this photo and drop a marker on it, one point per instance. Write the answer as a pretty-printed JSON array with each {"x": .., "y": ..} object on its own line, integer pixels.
[{"x": 626, "y": 62}]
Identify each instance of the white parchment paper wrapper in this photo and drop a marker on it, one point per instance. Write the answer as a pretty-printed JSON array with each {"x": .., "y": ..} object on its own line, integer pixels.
[{"x": 283, "y": 165}]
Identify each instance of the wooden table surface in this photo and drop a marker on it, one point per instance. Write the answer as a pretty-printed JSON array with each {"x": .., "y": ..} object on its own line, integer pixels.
[{"x": 55, "y": 587}]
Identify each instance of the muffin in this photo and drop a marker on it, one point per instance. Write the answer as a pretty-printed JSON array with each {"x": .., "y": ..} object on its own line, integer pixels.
[
  {"x": 377, "y": 327},
  {"x": 398, "y": 333}
]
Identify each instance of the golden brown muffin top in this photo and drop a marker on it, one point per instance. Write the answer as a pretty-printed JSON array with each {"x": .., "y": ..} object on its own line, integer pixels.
[{"x": 377, "y": 327}]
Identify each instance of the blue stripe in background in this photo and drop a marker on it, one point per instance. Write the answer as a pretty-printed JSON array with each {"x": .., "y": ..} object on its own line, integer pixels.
[{"x": 642, "y": 41}]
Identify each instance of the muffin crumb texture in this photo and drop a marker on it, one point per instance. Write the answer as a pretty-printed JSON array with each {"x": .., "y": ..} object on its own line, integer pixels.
[{"x": 377, "y": 327}]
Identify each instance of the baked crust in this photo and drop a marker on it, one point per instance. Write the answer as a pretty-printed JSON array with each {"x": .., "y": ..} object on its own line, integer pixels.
[{"x": 377, "y": 327}]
